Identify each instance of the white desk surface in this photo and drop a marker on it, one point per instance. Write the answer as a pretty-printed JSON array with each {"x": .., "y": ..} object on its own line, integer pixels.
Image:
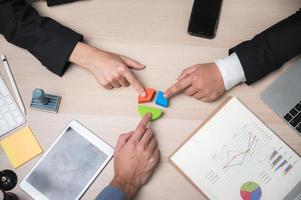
[{"x": 153, "y": 32}]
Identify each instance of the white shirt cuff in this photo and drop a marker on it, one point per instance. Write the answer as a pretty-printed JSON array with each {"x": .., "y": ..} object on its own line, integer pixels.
[{"x": 231, "y": 70}]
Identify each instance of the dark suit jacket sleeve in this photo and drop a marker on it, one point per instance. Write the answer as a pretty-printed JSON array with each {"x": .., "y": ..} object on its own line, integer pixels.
[
  {"x": 269, "y": 50},
  {"x": 58, "y": 2},
  {"x": 49, "y": 41}
]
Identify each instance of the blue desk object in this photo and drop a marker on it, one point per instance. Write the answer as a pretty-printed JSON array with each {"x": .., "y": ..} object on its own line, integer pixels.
[
  {"x": 45, "y": 102},
  {"x": 161, "y": 100}
]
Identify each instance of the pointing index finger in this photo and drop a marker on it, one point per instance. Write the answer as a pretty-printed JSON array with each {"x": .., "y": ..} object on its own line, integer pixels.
[
  {"x": 142, "y": 126},
  {"x": 178, "y": 87},
  {"x": 135, "y": 83}
]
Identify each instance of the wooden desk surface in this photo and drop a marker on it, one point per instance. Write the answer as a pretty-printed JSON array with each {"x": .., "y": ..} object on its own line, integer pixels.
[{"x": 153, "y": 32}]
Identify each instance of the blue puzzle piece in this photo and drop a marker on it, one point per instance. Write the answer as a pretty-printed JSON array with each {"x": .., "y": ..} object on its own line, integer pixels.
[{"x": 161, "y": 100}]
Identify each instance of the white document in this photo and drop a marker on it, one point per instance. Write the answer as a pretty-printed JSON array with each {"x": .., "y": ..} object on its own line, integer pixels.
[{"x": 235, "y": 156}]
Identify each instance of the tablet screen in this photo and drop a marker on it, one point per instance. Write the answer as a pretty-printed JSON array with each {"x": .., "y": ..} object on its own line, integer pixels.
[{"x": 68, "y": 167}]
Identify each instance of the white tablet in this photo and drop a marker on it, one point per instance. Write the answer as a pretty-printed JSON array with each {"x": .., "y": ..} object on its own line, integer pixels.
[{"x": 69, "y": 166}]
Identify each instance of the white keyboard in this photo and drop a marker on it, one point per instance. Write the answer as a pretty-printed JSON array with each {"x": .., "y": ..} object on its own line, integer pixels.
[{"x": 10, "y": 114}]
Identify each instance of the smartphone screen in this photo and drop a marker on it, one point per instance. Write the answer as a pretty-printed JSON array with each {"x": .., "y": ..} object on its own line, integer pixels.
[{"x": 204, "y": 18}]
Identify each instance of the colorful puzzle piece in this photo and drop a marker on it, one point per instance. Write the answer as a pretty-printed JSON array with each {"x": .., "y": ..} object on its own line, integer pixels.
[
  {"x": 161, "y": 100},
  {"x": 150, "y": 93},
  {"x": 156, "y": 113}
]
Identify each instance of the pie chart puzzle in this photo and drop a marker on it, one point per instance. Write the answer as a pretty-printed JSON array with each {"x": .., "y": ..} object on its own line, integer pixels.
[
  {"x": 156, "y": 113},
  {"x": 250, "y": 191}
]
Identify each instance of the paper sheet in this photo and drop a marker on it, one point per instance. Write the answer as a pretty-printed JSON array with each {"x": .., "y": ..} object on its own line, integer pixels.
[{"x": 235, "y": 156}]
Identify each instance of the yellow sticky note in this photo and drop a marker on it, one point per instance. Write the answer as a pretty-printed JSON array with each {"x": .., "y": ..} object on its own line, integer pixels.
[{"x": 21, "y": 147}]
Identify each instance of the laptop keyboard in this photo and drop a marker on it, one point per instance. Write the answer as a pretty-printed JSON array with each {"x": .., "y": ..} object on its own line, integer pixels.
[
  {"x": 10, "y": 114},
  {"x": 294, "y": 117}
]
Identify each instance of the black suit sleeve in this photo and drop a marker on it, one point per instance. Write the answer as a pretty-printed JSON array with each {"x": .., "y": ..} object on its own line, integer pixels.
[
  {"x": 58, "y": 2},
  {"x": 269, "y": 50},
  {"x": 49, "y": 41}
]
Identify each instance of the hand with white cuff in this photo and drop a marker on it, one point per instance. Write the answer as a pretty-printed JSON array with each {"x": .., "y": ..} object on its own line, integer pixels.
[
  {"x": 202, "y": 81},
  {"x": 207, "y": 82}
]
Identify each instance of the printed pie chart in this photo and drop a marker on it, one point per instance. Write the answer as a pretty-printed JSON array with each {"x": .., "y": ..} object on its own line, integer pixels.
[{"x": 250, "y": 191}]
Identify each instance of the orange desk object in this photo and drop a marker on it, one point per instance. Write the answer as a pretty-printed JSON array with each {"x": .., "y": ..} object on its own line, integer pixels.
[{"x": 150, "y": 93}]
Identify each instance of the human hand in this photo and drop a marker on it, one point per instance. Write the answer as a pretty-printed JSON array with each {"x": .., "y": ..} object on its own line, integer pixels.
[
  {"x": 110, "y": 70},
  {"x": 136, "y": 156},
  {"x": 202, "y": 81}
]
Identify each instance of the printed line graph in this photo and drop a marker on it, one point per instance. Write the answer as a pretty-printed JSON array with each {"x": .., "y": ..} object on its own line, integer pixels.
[
  {"x": 239, "y": 156},
  {"x": 235, "y": 154}
]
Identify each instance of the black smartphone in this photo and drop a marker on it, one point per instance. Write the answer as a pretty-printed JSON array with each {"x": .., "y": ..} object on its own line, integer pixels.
[{"x": 204, "y": 18}]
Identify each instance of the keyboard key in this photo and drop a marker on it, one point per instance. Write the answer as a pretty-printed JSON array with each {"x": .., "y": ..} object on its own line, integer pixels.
[
  {"x": 288, "y": 117},
  {"x": 16, "y": 113},
  {"x": 3, "y": 90},
  {"x": 299, "y": 128},
  {"x": 4, "y": 109},
  {"x": 298, "y": 107},
  {"x": 4, "y": 124},
  {"x": 2, "y": 102},
  {"x": 12, "y": 107},
  {"x": 19, "y": 119},
  {"x": 293, "y": 112},
  {"x": 296, "y": 120},
  {"x": 8, "y": 100},
  {"x": 10, "y": 120}
]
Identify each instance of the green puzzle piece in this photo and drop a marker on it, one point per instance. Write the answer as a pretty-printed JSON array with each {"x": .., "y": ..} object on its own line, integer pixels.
[{"x": 156, "y": 113}]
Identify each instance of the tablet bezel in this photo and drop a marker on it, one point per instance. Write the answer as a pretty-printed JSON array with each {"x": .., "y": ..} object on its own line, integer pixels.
[{"x": 88, "y": 135}]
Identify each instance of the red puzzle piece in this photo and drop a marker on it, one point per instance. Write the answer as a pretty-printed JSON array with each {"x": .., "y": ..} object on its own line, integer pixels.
[{"x": 150, "y": 93}]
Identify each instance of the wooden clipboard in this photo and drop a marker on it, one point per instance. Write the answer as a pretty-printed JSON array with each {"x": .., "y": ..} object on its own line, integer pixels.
[{"x": 226, "y": 100}]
